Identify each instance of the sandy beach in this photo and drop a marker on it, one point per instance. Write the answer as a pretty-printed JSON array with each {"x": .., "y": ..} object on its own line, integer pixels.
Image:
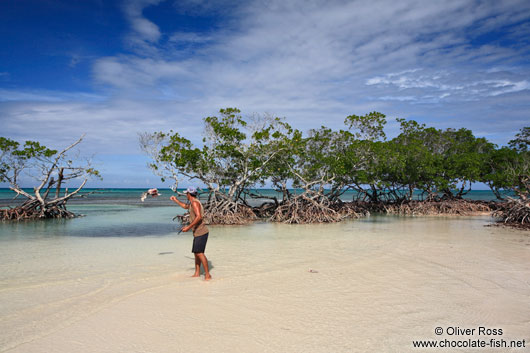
[
  {"x": 362, "y": 167},
  {"x": 373, "y": 285}
]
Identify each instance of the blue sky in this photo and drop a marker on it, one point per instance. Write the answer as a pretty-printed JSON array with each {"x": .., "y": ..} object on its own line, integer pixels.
[{"x": 113, "y": 69}]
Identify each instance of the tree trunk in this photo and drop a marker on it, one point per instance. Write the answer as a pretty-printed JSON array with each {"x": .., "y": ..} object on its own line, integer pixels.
[{"x": 59, "y": 182}]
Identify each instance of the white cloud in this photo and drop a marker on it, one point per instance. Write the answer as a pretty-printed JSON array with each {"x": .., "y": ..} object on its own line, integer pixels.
[
  {"x": 313, "y": 62},
  {"x": 190, "y": 37},
  {"x": 508, "y": 87},
  {"x": 144, "y": 32},
  {"x": 398, "y": 98},
  {"x": 7, "y": 95},
  {"x": 142, "y": 27},
  {"x": 447, "y": 85},
  {"x": 133, "y": 73}
]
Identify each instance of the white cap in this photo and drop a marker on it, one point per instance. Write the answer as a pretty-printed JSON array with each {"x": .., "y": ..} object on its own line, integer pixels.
[{"x": 191, "y": 190}]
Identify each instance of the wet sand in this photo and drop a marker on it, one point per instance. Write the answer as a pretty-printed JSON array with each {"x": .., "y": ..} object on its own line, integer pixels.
[{"x": 365, "y": 286}]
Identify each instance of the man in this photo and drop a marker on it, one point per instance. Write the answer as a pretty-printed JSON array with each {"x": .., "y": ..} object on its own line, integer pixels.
[{"x": 200, "y": 231}]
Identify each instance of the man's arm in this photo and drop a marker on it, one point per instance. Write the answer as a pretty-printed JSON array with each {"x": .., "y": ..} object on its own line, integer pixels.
[{"x": 181, "y": 204}]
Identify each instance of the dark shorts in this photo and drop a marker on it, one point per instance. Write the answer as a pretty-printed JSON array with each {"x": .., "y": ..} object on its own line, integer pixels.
[{"x": 199, "y": 243}]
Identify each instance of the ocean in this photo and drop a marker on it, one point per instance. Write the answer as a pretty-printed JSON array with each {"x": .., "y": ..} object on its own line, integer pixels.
[
  {"x": 118, "y": 196},
  {"x": 121, "y": 213}
]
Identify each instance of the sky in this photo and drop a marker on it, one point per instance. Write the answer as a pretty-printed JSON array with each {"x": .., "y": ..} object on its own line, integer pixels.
[{"x": 114, "y": 69}]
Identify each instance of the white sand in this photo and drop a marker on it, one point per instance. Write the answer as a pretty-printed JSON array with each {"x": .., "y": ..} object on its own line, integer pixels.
[{"x": 378, "y": 285}]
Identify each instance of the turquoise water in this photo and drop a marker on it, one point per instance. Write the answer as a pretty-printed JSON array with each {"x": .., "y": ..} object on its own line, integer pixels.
[
  {"x": 107, "y": 213},
  {"x": 132, "y": 196},
  {"x": 99, "y": 221},
  {"x": 119, "y": 213}
]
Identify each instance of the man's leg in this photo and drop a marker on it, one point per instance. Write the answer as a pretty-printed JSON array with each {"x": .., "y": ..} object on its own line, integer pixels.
[
  {"x": 197, "y": 266},
  {"x": 204, "y": 262}
]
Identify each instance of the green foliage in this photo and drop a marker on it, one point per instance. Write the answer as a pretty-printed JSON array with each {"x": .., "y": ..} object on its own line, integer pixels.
[
  {"x": 13, "y": 158},
  {"x": 238, "y": 155},
  {"x": 521, "y": 142},
  {"x": 497, "y": 169},
  {"x": 440, "y": 161},
  {"x": 288, "y": 144},
  {"x": 370, "y": 126},
  {"x": 50, "y": 168},
  {"x": 8, "y": 145},
  {"x": 180, "y": 152},
  {"x": 34, "y": 149},
  {"x": 93, "y": 172},
  {"x": 8, "y": 148},
  {"x": 224, "y": 132}
]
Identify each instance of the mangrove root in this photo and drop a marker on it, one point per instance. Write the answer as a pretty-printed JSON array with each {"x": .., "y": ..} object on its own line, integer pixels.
[
  {"x": 514, "y": 212},
  {"x": 25, "y": 213},
  {"x": 227, "y": 212},
  {"x": 302, "y": 209},
  {"x": 427, "y": 208}
]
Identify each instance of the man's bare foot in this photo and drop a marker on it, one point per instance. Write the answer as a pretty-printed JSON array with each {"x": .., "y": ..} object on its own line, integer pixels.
[
  {"x": 195, "y": 275},
  {"x": 207, "y": 277}
]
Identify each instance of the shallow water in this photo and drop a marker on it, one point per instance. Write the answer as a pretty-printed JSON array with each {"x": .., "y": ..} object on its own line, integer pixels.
[
  {"x": 118, "y": 280},
  {"x": 132, "y": 197}
]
